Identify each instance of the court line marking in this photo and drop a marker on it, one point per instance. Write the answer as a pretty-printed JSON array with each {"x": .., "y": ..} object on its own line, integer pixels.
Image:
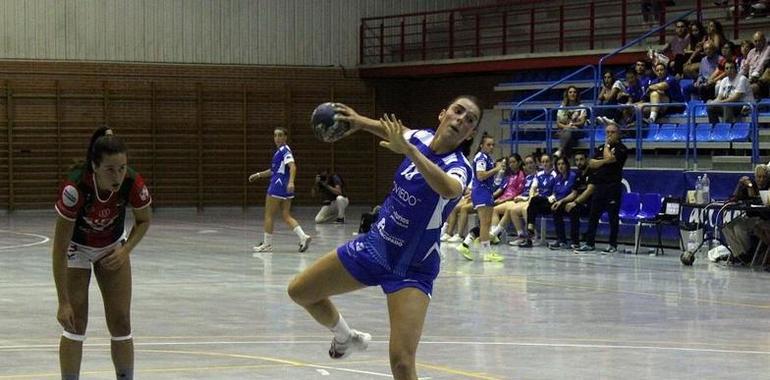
[
  {"x": 44, "y": 239},
  {"x": 460, "y": 343}
]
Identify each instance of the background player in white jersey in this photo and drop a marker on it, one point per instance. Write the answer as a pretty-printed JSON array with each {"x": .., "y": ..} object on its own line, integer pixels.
[
  {"x": 401, "y": 252},
  {"x": 280, "y": 192},
  {"x": 90, "y": 232}
]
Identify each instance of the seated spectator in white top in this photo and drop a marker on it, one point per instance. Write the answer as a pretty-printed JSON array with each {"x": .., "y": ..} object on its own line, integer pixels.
[
  {"x": 754, "y": 66},
  {"x": 732, "y": 88}
]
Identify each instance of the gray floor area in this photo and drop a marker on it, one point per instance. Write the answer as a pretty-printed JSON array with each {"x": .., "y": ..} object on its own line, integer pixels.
[{"x": 205, "y": 308}]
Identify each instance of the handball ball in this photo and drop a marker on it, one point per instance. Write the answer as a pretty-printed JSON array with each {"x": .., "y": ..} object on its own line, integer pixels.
[{"x": 325, "y": 128}]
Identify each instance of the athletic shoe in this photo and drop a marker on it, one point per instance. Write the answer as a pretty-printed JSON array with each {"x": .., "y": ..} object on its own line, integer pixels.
[
  {"x": 557, "y": 245},
  {"x": 339, "y": 221},
  {"x": 527, "y": 243},
  {"x": 358, "y": 341},
  {"x": 584, "y": 248},
  {"x": 495, "y": 240},
  {"x": 517, "y": 241},
  {"x": 493, "y": 256},
  {"x": 455, "y": 239},
  {"x": 609, "y": 250},
  {"x": 262, "y": 247},
  {"x": 465, "y": 251},
  {"x": 304, "y": 244},
  {"x": 445, "y": 237},
  {"x": 574, "y": 246}
]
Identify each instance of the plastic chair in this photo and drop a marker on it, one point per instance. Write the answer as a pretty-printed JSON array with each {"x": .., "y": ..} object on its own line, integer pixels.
[
  {"x": 599, "y": 134},
  {"x": 651, "y": 204},
  {"x": 680, "y": 133},
  {"x": 629, "y": 207},
  {"x": 702, "y": 132},
  {"x": 740, "y": 132},
  {"x": 721, "y": 132},
  {"x": 651, "y": 130},
  {"x": 665, "y": 133}
]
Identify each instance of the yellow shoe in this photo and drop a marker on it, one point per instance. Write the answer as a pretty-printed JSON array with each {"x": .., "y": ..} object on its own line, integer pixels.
[
  {"x": 493, "y": 257},
  {"x": 465, "y": 251},
  {"x": 495, "y": 240}
]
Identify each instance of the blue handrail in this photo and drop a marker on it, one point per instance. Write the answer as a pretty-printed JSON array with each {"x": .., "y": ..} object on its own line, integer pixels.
[{"x": 597, "y": 73}]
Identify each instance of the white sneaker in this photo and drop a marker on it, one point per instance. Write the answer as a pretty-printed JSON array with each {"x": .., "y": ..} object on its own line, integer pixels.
[
  {"x": 262, "y": 247},
  {"x": 304, "y": 244},
  {"x": 445, "y": 237},
  {"x": 358, "y": 341},
  {"x": 454, "y": 239}
]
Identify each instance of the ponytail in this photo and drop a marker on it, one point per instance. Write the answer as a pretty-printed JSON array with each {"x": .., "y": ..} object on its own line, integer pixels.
[{"x": 103, "y": 142}]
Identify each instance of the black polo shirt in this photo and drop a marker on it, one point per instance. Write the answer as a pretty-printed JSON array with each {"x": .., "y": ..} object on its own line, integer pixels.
[
  {"x": 331, "y": 180},
  {"x": 610, "y": 173},
  {"x": 582, "y": 180}
]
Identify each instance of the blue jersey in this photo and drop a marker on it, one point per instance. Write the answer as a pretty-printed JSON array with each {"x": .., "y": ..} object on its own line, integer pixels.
[
  {"x": 280, "y": 169},
  {"x": 482, "y": 162},
  {"x": 528, "y": 180},
  {"x": 545, "y": 182},
  {"x": 563, "y": 186},
  {"x": 674, "y": 91},
  {"x": 405, "y": 238}
]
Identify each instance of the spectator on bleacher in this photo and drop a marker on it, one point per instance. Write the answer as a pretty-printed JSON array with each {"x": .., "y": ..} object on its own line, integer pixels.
[
  {"x": 570, "y": 121},
  {"x": 676, "y": 46},
  {"x": 732, "y": 88},
  {"x": 703, "y": 87},
  {"x": 715, "y": 34},
  {"x": 663, "y": 89},
  {"x": 695, "y": 51},
  {"x": 606, "y": 177},
  {"x": 630, "y": 92},
  {"x": 738, "y": 231},
  {"x": 643, "y": 73},
  {"x": 542, "y": 186},
  {"x": 518, "y": 205},
  {"x": 746, "y": 47},
  {"x": 754, "y": 66},
  {"x": 543, "y": 204},
  {"x": 650, "y": 10},
  {"x": 575, "y": 205},
  {"x": 608, "y": 95}
]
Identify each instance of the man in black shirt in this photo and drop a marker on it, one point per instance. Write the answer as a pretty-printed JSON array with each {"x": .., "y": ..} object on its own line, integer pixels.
[
  {"x": 607, "y": 174},
  {"x": 575, "y": 204},
  {"x": 330, "y": 187}
]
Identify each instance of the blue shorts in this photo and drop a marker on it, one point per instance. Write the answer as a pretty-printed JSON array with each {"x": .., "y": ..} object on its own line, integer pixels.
[
  {"x": 278, "y": 191},
  {"x": 356, "y": 258},
  {"x": 482, "y": 197}
]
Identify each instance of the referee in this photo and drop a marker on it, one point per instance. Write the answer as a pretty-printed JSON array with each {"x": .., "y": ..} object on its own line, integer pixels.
[{"x": 607, "y": 168}]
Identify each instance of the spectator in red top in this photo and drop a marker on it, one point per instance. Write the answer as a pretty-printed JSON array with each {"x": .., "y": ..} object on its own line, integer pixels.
[{"x": 90, "y": 233}]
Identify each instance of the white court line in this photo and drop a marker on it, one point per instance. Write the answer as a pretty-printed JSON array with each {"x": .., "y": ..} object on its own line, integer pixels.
[
  {"x": 519, "y": 344},
  {"x": 44, "y": 239}
]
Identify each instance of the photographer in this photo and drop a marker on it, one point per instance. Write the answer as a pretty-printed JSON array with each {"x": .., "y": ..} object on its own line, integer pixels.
[
  {"x": 330, "y": 187},
  {"x": 738, "y": 232}
]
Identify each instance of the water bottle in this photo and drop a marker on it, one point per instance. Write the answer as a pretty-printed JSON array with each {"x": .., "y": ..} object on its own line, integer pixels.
[
  {"x": 699, "y": 190},
  {"x": 705, "y": 188},
  {"x": 692, "y": 241}
]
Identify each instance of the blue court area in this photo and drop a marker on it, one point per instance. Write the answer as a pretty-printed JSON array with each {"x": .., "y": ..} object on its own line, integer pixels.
[{"x": 204, "y": 307}]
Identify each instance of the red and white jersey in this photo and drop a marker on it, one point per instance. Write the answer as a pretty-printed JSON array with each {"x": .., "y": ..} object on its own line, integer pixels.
[{"x": 99, "y": 222}]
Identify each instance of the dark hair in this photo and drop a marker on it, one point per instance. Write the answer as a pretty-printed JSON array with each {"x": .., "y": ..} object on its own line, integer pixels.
[
  {"x": 631, "y": 70},
  {"x": 481, "y": 142},
  {"x": 717, "y": 27},
  {"x": 103, "y": 143},
  {"x": 475, "y": 101},
  {"x": 518, "y": 159},
  {"x": 579, "y": 153},
  {"x": 565, "y": 101},
  {"x": 566, "y": 161}
]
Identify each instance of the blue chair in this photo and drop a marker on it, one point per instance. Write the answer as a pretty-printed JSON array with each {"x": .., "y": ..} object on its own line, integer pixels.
[
  {"x": 629, "y": 207},
  {"x": 652, "y": 130},
  {"x": 702, "y": 132},
  {"x": 651, "y": 204},
  {"x": 665, "y": 133},
  {"x": 696, "y": 107},
  {"x": 680, "y": 132},
  {"x": 721, "y": 132},
  {"x": 599, "y": 134},
  {"x": 740, "y": 132}
]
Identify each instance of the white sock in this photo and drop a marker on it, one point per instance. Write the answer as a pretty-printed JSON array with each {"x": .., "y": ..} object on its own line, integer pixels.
[
  {"x": 456, "y": 236},
  {"x": 267, "y": 239},
  {"x": 468, "y": 240},
  {"x": 653, "y": 115},
  {"x": 495, "y": 230},
  {"x": 485, "y": 247},
  {"x": 443, "y": 228},
  {"x": 341, "y": 330},
  {"x": 300, "y": 234}
]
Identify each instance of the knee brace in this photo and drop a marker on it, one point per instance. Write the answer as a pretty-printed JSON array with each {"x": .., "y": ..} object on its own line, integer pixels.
[
  {"x": 73, "y": 337},
  {"x": 121, "y": 338}
]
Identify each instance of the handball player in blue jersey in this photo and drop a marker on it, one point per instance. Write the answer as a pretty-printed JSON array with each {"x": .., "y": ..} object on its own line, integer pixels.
[
  {"x": 401, "y": 252},
  {"x": 280, "y": 192}
]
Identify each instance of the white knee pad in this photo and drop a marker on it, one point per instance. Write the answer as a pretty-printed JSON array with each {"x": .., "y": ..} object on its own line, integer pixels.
[
  {"x": 73, "y": 337},
  {"x": 121, "y": 338}
]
